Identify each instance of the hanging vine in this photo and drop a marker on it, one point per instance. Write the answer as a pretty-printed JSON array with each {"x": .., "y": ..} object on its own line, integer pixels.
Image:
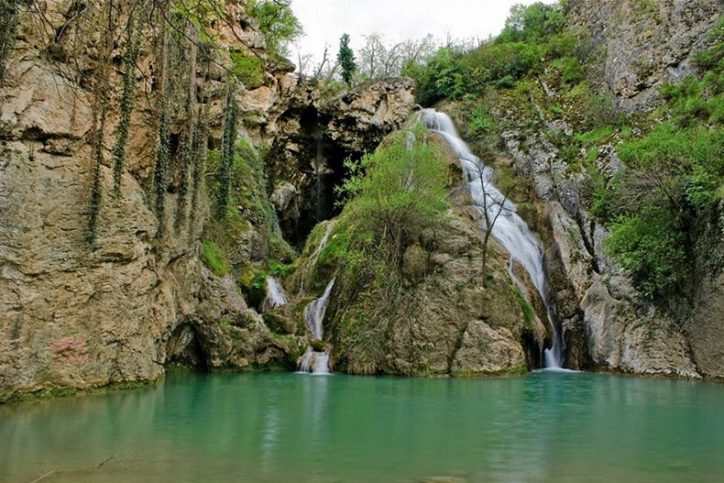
[
  {"x": 130, "y": 58},
  {"x": 187, "y": 149},
  {"x": 8, "y": 27},
  {"x": 201, "y": 134},
  {"x": 227, "y": 152},
  {"x": 99, "y": 122},
  {"x": 160, "y": 172}
]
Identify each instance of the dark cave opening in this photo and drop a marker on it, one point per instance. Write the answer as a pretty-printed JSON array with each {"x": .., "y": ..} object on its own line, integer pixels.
[{"x": 184, "y": 348}]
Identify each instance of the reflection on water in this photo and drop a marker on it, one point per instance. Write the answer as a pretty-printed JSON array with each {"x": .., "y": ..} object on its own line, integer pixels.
[{"x": 286, "y": 427}]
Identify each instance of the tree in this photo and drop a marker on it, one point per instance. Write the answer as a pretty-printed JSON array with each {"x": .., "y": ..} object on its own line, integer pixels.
[
  {"x": 277, "y": 21},
  {"x": 492, "y": 206},
  {"x": 398, "y": 191},
  {"x": 346, "y": 60}
]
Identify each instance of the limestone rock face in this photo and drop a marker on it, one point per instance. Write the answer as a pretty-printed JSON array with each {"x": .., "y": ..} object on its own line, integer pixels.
[
  {"x": 359, "y": 119},
  {"x": 621, "y": 339},
  {"x": 705, "y": 329},
  {"x": 316, "y": 135},
  {"x": 606, "y": 324},
  {"x": 485, "y": 350},
  {"x": 76, "y": 316},
  {"x": 647, "y": 43}
]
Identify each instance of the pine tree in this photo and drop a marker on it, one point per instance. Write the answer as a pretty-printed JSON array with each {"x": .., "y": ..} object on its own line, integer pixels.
[{"x": 346, "y": 60}]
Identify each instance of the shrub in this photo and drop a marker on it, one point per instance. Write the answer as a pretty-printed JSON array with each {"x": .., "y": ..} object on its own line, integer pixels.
[
  {"x": 650, "y": 246},
  {"x": 398, "y": 191},
  {"x": 602, "y": 111}
]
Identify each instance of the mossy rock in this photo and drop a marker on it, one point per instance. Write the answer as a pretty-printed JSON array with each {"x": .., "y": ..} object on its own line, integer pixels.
[{"x": 280, "y": 321}]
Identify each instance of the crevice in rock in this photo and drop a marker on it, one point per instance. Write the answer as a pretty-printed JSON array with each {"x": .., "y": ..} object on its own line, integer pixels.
[
  {"x": 457, "y": 345},
  {"x": 532, "y": 348},
  {"x": 184, "y": 347}
]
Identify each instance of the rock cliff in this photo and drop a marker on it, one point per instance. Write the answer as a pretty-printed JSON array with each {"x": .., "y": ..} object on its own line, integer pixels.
[
  {"x": 645, "y": 43},
  {"x": 317, "y": 134},
  {"x": 74, "y": 315}
]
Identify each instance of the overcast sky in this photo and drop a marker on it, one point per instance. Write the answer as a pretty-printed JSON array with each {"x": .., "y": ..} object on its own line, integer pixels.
[{"x": 325, "y": 21}]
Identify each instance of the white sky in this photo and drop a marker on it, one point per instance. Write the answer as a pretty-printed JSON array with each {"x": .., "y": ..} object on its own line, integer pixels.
[{"x": 325, "y": 21}]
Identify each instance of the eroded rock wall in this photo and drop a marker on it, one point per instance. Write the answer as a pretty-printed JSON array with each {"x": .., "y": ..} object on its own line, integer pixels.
[
  {"x": 645, "y": 43},
  {"x": 317, "y": 134},
  {"x": 76, "y": 316}
]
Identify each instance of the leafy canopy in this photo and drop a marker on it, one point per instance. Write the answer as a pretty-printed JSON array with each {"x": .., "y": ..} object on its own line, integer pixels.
[{"x": 277, "y": 22}]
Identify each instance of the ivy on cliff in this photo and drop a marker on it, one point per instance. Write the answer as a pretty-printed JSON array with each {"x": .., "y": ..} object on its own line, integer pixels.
[
  {"x": 228, "y": 142},
  {"x": 161, "y": 167},
  {"x": 130, "y": 57},
  {"x": 8, "y": 26}
]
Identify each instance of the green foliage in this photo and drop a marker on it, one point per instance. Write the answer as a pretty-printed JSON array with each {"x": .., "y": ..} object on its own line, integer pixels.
[
  {"x": 533, "y": 38},
  {"x": 249, "y": 69},
  {"x": 346, "y": 60},
  {"x": 202, "y": 14},
  {"x": 95, "y": 197},
  {"x": 596, "y": 135},
  {"x": 480, "y": 122},
  {"x": 200, "y": 155},
  {"x": 666, "y": 204},
  {"x": 215, "y": 258},
  {"x": 569, "y": 70},
  {"x": 712, "y": 58},
  {"x": 525, "y": 306},
  {"x": 602, "y": 111},
  {"x": 441, "y": 78},
  {"x": 160, "y": 172},
  {"x": 533, "y": 22},
  {"x": 650, "y": 245},
  {"x": 228, "y": 142},
  {"x": 130, "y": 57},
  {"x": 277, "y": 21},
  {"x": 398, "y": 192}
]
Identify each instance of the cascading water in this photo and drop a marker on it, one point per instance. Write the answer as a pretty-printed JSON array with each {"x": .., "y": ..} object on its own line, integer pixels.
[
  {"x": 509, "y": 229},
  {"x": 312, "y": 260},
  {"x": 314, "y": 361},
  {"x": 275, "y": 295}
]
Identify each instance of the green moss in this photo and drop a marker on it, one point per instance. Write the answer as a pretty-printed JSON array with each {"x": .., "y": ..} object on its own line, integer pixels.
[
  {"x": 525, "y": 306},
  {"x": 249, "y": 69},
  {"x": 214, "y": 258}
]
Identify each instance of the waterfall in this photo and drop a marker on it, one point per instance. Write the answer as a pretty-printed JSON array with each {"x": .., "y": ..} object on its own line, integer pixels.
[
  {"x": 312, "y": 260},
  {"x": 314, "y": 361},
  {"x": 275, "y": 295},
  {"x": 509, "y": 229}
]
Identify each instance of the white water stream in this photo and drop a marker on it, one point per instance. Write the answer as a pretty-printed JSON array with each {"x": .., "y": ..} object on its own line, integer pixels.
[
  {"x": 509, "y": 228},
  {"x": 275, "y": 295},
  {"x": 314, "y": 361}
]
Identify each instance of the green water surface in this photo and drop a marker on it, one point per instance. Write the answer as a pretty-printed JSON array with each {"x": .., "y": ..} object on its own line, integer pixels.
[{"x": 298, "y": 428}]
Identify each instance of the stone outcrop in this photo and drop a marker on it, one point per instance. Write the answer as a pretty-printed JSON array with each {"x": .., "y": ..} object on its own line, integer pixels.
[
  {"x": 705, "y": 329},
  {"x": 77, "y": 316},
  {"x": 316, "y": 135},
  {"x": 606, "y": 322},
  {"x": 443, "y": 321},
  {"x": 646, "y": 43}
]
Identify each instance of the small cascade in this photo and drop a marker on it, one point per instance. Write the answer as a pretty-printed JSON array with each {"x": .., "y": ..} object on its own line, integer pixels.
[
  {"x": 509, "y": 229},
  {"x": 316, "y": 362},
  {"x": 312, "y": 260},
  {"x": 275, "y": 295}
]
